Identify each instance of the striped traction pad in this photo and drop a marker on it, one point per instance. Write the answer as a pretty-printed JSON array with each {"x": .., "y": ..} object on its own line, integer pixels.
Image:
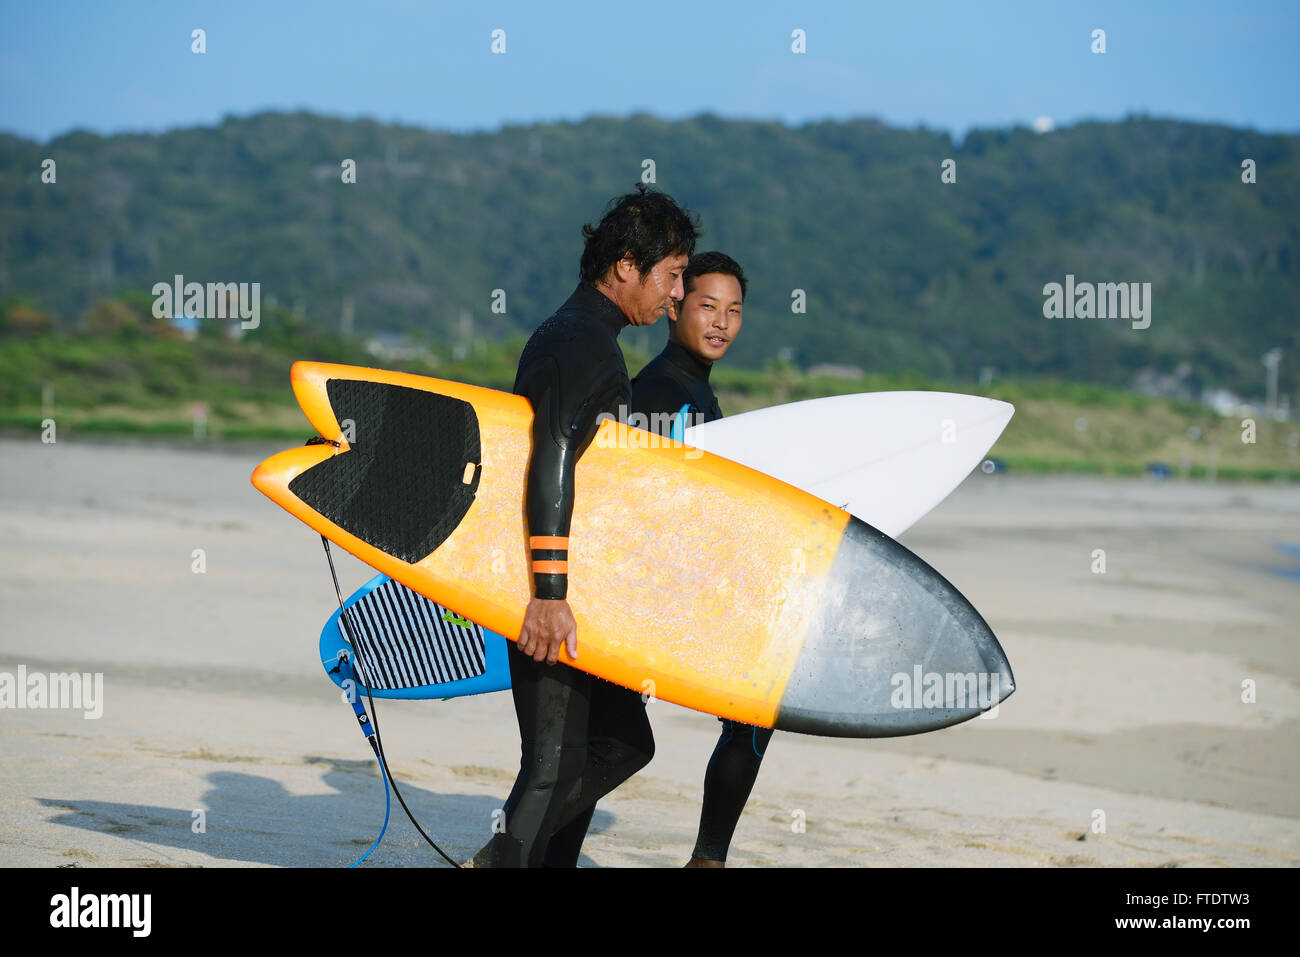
[{"x": 404, "y": 640}]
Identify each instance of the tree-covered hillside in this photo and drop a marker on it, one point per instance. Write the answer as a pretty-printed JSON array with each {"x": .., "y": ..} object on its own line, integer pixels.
[{"x": 902, "y": 272}]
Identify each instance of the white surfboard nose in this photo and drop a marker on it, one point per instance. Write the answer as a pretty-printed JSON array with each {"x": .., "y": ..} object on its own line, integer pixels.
[{"x": 887, "y": 458}]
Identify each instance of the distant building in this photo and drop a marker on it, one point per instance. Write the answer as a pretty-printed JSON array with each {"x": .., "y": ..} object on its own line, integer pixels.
[
  {"x": 398, "y": 347},
  {"x": 1226, "y": 403},
  {"x": 188, "y": 326},
  {"x": 836, "y": 371},
  {"x": 1178, "y": 385}
]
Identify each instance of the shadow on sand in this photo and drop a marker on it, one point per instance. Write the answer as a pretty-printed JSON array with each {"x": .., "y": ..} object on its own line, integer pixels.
[{"x": 254, "y": 820}]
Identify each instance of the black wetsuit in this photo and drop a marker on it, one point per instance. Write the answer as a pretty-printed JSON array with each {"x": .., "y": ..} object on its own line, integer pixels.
[
  {"x": 672, "y": 381},
  {"x": 675, "y": 381},
  {"x": 580, "y": 737}
]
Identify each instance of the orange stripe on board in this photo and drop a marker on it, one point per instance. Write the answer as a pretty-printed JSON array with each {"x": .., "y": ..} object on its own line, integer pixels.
[
  {"x": 551, "y": 568},
  {"x": 549, "y": 541}
]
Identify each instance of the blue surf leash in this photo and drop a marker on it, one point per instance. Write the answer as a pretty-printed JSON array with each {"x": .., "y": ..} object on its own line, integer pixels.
[
  {"x": 370, "y": 722},
  {"x": 347, "y": 673}
]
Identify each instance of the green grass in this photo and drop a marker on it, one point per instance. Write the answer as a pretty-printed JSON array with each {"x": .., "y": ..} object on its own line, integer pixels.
[{"x": 140, "y": 387}]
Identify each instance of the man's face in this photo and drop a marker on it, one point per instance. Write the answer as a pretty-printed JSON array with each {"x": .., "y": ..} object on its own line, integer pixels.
[
  {"x": 661, "y": 290},
  {"x": 708, "y": 320}
]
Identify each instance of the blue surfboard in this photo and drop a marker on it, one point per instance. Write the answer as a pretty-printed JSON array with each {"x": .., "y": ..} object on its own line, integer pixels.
[{"x": 410, "y": 647}]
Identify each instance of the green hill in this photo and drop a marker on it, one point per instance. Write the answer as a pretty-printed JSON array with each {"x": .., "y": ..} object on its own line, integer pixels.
[{"x": 902, "y": 273}]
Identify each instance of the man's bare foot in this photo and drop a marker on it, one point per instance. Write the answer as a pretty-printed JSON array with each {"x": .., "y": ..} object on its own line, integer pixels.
[{"x": 704, "y": 862}]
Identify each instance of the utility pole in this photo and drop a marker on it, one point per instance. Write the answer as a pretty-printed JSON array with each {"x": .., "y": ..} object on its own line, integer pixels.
[
  {"x": 1271, "y": 360},
  {"x": 347, "y": 317}
]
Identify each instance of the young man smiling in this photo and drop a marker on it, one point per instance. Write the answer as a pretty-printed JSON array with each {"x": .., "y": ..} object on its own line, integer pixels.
[
  {"x": 676, "y": 382},
  {"x": 699, "y": 333}
]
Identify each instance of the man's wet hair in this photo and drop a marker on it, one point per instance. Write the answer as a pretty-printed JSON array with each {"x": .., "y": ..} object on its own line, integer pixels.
[
  {"x": 647, "y": 224},
  {"x": 702, "y": 264}
]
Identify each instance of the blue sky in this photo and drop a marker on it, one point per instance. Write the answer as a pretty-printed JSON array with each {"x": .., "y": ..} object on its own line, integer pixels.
[{"x": 127, "y": 65}]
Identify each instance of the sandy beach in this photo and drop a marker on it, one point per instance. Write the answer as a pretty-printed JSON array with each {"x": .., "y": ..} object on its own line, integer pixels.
[{"x": 1127, "y": 742}]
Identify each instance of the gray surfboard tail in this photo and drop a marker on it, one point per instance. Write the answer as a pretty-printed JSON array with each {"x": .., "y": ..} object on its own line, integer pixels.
[{"x": 895, "y": 649}]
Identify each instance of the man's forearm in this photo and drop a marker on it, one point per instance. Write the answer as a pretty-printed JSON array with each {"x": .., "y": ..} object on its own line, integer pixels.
[{"x": 548, "y": 496}]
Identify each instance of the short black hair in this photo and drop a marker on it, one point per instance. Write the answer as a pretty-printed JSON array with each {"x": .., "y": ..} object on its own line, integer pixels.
[
  {"x": 702, "y": 264},
  {"x": 647, "y": 224}
]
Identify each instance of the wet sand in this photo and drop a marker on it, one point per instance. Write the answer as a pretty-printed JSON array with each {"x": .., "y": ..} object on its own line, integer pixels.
[{"x": 1128, "y": 707}]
